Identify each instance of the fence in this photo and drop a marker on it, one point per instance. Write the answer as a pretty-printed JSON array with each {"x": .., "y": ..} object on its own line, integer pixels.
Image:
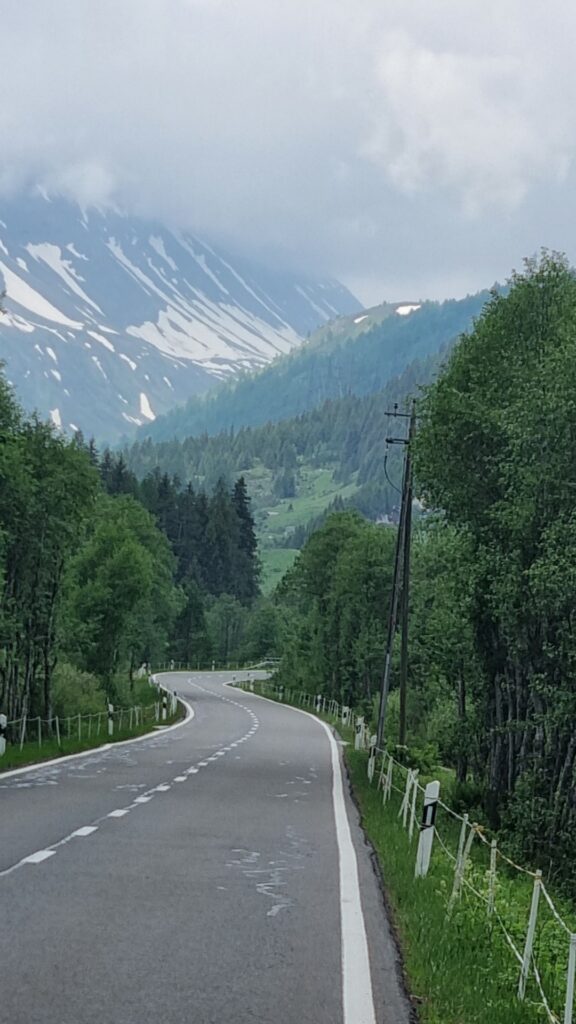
[
  {"x": 451, "y": 836},
  {"x": 85, "y": 727}
]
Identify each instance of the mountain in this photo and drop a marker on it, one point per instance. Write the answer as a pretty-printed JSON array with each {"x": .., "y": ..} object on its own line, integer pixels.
[
  {"x": 111, "y": 320},
  {"x": 355, "y": 354}
]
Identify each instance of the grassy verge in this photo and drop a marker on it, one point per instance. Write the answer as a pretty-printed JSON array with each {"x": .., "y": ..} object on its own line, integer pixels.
[
  {"x": 459, "y": 970},
  {"x": 142, "y": 695}
]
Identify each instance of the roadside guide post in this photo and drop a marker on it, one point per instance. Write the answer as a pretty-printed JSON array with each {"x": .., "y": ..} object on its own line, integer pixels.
[{"x": 431, "y": 797}]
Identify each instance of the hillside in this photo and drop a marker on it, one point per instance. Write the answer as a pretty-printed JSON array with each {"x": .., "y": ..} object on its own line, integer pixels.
[
  {"x": 330, "y": 365},
  {"x": 112, "y": 320},
  {"x": 295, "y": 470}
]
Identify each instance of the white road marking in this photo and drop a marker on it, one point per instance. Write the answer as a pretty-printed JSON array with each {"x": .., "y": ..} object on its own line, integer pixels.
[
  {"x": 162, "y": 789},
  {"x": 357, "y": 996},
  {"x": 86, "y": 830},
  {"x": 118, "y": 814},
  {"x": 142, "y": 799},
  {"x": 37, "y": 858},
  {"x": 202, "y": 764},
  {"x": 179, "y": 778}
]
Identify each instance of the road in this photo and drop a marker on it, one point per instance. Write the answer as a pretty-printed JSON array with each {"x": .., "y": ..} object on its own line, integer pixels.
[{"x": 211, "y": 874}]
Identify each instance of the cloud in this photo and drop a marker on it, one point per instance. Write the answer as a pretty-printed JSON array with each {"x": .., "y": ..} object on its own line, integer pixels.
[{"x": 411, "y": 148}]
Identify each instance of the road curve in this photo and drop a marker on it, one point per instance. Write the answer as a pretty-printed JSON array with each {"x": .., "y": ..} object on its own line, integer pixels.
[{"x": 214, "y": 874}]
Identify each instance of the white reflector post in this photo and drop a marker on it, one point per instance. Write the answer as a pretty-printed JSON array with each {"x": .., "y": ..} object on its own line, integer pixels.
[
  {"x": 426, "y": 839},
  {"x": 3, "y": 724}
]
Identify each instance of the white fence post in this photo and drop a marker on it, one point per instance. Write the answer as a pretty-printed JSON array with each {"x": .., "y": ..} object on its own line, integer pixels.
[
  {"x": 39, "y": 731},
  {"x": 79, "y": 727},
  {"x": 431, "y": 796},
  {"x": 23, "y": 731},
  {"x": 359, "y": 733},
  {"x": 164, "y": 705},
  {"x": 569, "y": 1004},
  {"x": 3, "y": 724},
  {"x": 371, "y": 764},
  {"x": 492, "y": 877},
  {"x": 413, "y": 807},
  {"x": 529, "y": 944},
  {"x": 57, "y": 721},
  {"x": 403, "y": 812},
  {"x": 464, "y": 847},
  {"x": 110, "y": 719},
  {"x": 388, "y": 780}
]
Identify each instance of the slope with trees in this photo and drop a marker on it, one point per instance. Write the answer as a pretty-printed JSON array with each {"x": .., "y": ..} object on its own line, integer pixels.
[{"x": 334, "y": 366}]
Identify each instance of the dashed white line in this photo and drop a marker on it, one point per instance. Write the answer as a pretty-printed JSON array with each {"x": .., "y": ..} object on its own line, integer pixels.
[
  {"x": 119, "y": 813},
  {"x": 38, "y": 857},
  {"x": 86, "y": 830}
]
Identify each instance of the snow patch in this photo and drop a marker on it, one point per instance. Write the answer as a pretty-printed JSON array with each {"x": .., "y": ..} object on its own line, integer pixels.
[
  {"x": 22, "y": 294},
  {"x": 158, "y": 245},
  {"x": 56, "y": 374},
  {"x": 103, "y": 341},
  {"x": 145, "y": 407},
  {"x": 51, "y": 353},
  {"x": 51, "y": 255},
  {"x": 78, "y": 255},
  {"x": 22, "y": 263},
  {"x": 359, "y": 319},
  {"x": 97, "y": 363},
  {"x": 130, "y": 362},
  {"x": 405, "y": 310}
]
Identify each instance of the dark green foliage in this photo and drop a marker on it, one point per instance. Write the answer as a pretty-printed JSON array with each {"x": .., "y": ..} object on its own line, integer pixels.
[
  {"x": 333, "y": 604},
  {"x": 104, "y": 571},
  {"x": 496, "y": 453}
]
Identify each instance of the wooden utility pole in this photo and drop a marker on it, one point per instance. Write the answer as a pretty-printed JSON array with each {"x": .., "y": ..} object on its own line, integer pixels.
[
  {"x": 406, "y": 581},
  {"x": 400, "y": 578}
]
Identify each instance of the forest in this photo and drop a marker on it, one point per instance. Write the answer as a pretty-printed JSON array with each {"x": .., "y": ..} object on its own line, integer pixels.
[
  {"x": 346, "y": 435},
  {"x": 100, "y": 573},
  {"x": 492, "y": 614}
]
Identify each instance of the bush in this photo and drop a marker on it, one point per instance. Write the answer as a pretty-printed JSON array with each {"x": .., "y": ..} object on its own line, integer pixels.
[{"x": 76, "y": 692}]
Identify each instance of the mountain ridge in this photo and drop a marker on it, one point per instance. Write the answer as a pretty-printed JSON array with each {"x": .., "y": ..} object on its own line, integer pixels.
[
  {"x": 330, "y": 364},
  {"x": 111, "y": 319}
]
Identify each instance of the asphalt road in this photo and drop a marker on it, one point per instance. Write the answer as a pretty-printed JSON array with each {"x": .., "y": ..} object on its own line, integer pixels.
[{"x": 212, "y": 874}]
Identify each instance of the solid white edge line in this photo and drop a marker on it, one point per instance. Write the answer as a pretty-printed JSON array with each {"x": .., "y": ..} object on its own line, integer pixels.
[
  {"x": 357, "y": 996},
  {"x": 39, "y": 765}
]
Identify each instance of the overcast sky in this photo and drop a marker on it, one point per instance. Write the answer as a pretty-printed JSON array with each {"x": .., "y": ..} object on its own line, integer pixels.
[{"x": 412, "y": 148}]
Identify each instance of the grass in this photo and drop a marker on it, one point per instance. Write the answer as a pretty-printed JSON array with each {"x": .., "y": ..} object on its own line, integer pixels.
[
  {"x": 459, "y": 971},
  {"x": 143, "y": 695},
  {"x": 275, "y": 562}
]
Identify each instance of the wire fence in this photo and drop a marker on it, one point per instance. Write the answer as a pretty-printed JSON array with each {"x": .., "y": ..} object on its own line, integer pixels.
[
  {"x": 85, "y": 727},
  {"x": 541, "y": 942}
]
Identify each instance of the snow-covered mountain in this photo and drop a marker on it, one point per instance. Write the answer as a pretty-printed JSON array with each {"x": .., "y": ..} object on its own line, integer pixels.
[{"x": 111, "y": 320}]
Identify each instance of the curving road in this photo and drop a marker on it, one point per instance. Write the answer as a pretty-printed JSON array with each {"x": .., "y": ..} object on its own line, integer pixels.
[{"x": 211, "y": 874}]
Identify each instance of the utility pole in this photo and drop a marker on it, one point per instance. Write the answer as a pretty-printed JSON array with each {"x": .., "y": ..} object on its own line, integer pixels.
[
  {"x": 400, "y": 577},
  {"x": 406, "y": 580}
]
